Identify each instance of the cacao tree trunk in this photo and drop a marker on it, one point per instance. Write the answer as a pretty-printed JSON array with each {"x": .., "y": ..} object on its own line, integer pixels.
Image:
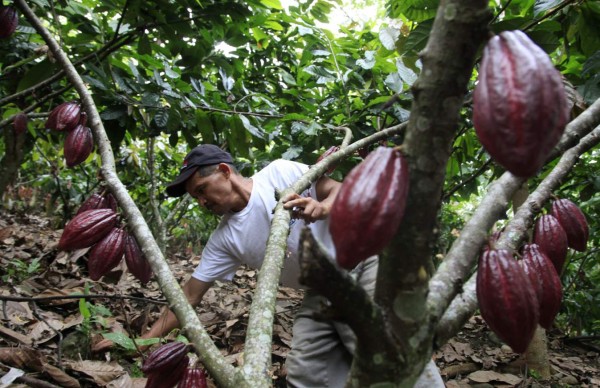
[{"x": 9, "y": 165}]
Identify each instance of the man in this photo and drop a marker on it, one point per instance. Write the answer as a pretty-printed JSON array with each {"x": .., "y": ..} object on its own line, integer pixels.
[{"x": 321, "y": 351}]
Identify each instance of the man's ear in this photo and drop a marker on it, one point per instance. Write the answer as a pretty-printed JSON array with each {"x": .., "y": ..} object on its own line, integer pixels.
[{"x": 225, "y": 169}]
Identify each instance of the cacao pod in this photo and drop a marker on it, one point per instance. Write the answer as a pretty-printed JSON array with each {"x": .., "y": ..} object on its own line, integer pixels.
[
  {"x": 111, "y": 201},
  {"x": 78, "y": 145},
  {"x": 106, "y": 253},
  {"x": 20, "y": 123},
  {"x": 95, "y": 201},
  {"x": 9, "y": 20},
  {"x": 549, "y": 289},
  {"x": 573, "y": 221},
  {"x": 193, "y": 378},
  {"x": 325, "y": 154},
  {"x": 64, "y": 117},
  {"x": 520, "y": 106},
  {"x": 168, "y": 378},
  {"x": 165, "y": 358},
  {"x": 136, "y": 262},
  {"x": 369, "y": 206},
  {"x": 552, "y": 240},
  {"x": 87, "y": 228},
  {"x": 507, "y": 300}
]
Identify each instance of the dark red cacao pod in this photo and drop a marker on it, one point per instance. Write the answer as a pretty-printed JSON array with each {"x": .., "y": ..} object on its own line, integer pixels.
[
  {"x": 106, "y": 253},
  {"x": 111, "y": 201},
  {"x": 520, "y": 106},
  {"x": 136, "y": 261},
  {"x": 95, "y": 201},
  {"x": 166, "y": 358},
  {"x": 507, "y": 300},
  {"x": 9, "y": 20},
  {"x": 87, "y": 228},
  {"x": 550, "y": 236},
  {"x": 168, "y": 378},
  {"x": 193, "y": 378},
  {"x": 78, "y": 145},
  {"x": 20, "y": 123},
  {"x": 573, "y": 221},
  {"x": 325, "y": 154},
  {"x": 64, "y": 117},
  {"x": 540, "y": 269},
  {"x": 369, "y": 206}
]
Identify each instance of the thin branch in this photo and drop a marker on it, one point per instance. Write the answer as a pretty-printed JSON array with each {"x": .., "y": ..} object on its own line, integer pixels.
[{"x": 78, "y": 296}]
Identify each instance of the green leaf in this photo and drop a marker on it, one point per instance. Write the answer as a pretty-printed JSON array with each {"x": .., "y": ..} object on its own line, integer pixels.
[
  {"x": 272, "y": 4},
  {"x": 144, "y": 46},
  {"x": 251, "y": 128},
  {"x": 388, "y": 37},
  {"x": 541, "y": 6},
  {"x": 37, "y": 74},
  {"x": 83, "y": 309}
]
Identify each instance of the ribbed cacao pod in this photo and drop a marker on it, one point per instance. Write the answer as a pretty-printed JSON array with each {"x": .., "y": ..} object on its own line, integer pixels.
[
  {"x": 87, "y": 228},
  {"x": 369, "y": 206},
  {"x": 520, "y": 106},
  {"x": 325, "y": 154},
  {"x": 9, "y": 20},
  {"x": 193, "y": 378},
  {"x": 78, "y": 145},
  {"x": 550, "y": 236},
  {"x": 539, "y": 269},
  {"x": 94, "y": 201},
  {"x": 136, "y": 261},
  {"x": 165, "y": 358},
  {"x": 106, "y": 253},
  {"x": 20, "y": 123},
  {"x": 111, "y": 201},
  {"x": 168, "y": 378},
  {"x": 64, "y": 117},
  {"x": 573, "y": 221},
  {"x": 507, "y": 300}
]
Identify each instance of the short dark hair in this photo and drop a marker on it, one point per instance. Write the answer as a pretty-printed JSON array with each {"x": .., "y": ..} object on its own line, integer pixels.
[{"x": 208, "y": 170}]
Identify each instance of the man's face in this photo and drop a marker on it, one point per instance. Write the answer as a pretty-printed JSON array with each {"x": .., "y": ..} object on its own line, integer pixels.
[{"x": 212, "y": 191}]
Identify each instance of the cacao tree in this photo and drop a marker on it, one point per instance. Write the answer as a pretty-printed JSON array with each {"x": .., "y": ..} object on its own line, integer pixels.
[{"x": 151, "y": 78}]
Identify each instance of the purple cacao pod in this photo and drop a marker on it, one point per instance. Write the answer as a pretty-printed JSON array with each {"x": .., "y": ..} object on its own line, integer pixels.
[
  {"x": 95, "y": 201},
  {"x": 78, "y": 145},
  {"x": 552, "y": 240},
  {"x": 507, "y": 300},
  {"x": 136, "y": 261},
  {"x": 520, "y": 106},
  {"x": 369, "y": 206},
  {"x": 87, "y": 228},
  {"x": 169, "y": 377},
  {"x": 166, "y": 358},
  {"x": 20, "y": 123},
  {"x": 9, "y": 20},
  {"x": 106, "y": 253},
  {"x": 64, "y": 117},
  {"x": 193, "y": 378},
  {"x": 573, "y": 221}
]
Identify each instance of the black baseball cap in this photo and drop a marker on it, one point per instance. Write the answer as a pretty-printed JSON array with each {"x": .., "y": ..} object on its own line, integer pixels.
[{"x": 202, "y": 155}]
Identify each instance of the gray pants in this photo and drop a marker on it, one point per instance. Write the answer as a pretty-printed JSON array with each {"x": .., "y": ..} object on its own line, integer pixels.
[{"x": 322, "y": 351}]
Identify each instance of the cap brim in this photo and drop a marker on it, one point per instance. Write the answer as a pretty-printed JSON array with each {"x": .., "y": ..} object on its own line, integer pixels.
[{"x": 177, "y": 187}]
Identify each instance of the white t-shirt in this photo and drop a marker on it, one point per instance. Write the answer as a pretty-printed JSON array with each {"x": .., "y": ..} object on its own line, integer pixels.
[{"x": 241, "y": 238}]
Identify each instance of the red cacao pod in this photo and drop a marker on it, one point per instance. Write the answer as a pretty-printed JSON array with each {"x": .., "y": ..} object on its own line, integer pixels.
[
  {"x": 78, "y": 145},
  {"x": 165, "y": 358},
  {"x": 136, "y": 262},
  {"x": 369, "y": 206},
  {"x": 106, "y": 253},
  {"x": 573, "y": 221},
  {"x": 325, "y": 154},
  {"x": 87, "y": 228},
  {"x": 193, "y": 378},
  {"x": 111, "y": 201},
  {"x": 20, "y": 123},
  {"x": 541, "y": 271},
  {"x": 520, "y": 106},
  {"x": 95, "y": 201},
  {"x": 507, "y": 300},
  {"x": 552, "y": 240},
  {"x": 9, "y": 20},
  {"x": 64, "y": 117},
  {"x": 168, "y": 378}
]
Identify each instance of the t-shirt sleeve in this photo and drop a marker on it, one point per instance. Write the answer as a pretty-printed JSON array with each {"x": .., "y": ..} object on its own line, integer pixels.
[{"x": 216, "y": 263}]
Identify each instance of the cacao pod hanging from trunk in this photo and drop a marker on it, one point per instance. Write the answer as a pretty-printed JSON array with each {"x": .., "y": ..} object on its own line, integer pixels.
[
  {"x": 87, "y": 228},
  {"x": 136, "y": 261},
  {"x": 168, "y": 378},
  {"x": 573, "y": 221},
  {"x": 95, "y": 201},
  {"x": 165, "y": 358},
  {"x": 193, "y": 378},
  {"x": 520, "y": 106},
  {"x": 20, "y": 123},
  {"x": 64, "y": 117},
  {"x": 552, "y": 240},
  {"x": 541, "y": 271},
  {"x": 9, "y": 20},
  {"x": 369, "y": 206},
  {"x": 78, "y": 145},
  {"x": 106, "y": 254},
  {"x": 507, "y": 300}
]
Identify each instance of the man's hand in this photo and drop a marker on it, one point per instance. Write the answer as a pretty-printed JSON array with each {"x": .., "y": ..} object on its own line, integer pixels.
[{"x": 305, "y": 208}]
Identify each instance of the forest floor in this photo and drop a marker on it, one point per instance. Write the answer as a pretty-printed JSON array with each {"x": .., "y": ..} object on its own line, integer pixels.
[{"x": 49, "y": 339}]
